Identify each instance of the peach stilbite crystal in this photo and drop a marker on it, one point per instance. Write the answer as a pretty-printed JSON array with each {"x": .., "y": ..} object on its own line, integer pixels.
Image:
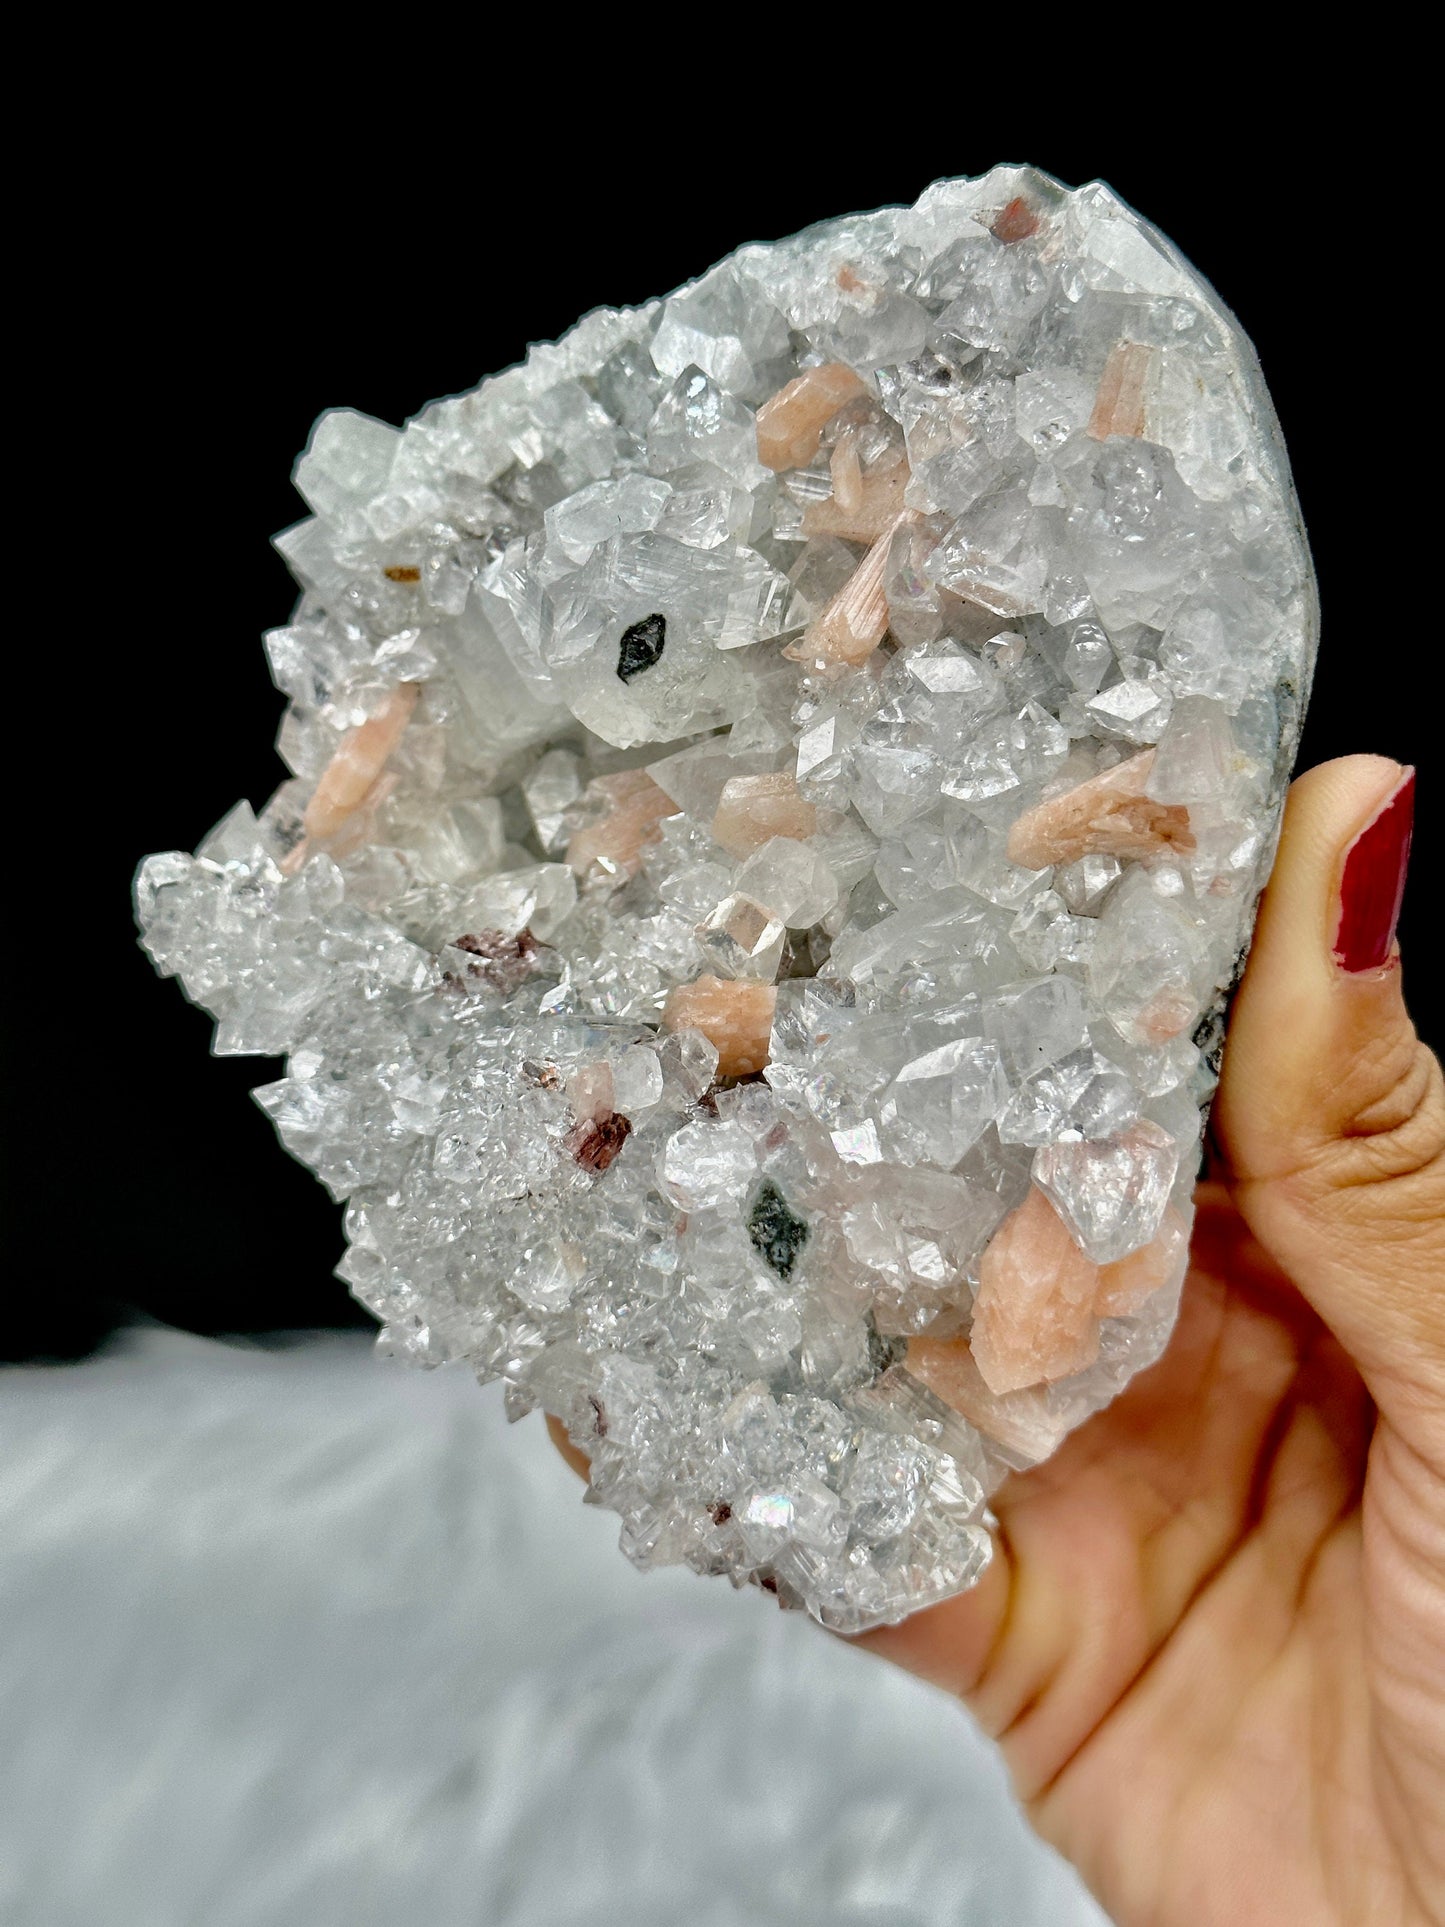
[
  {"x": 1119, "y": 400},
  {"x": 359, "y": 759},
  {"x": 1128, "y": 1282},
  {"x": 865, "y": 515},
  {"x": 1040, "y": 1299},
  {"x": 1109, "y": 815},
  {"x": 1033, "y": 1318},
  {"x": 791, "y": 424},
  {"x": 752, "y": 809},
  {"x": 617, "y": 841},
  {"x": 735, "y": 1017},
  {"x": 845, "y": 470},
  {"x": 856, "y": 620},
  {"x": 360, "y": 826},
  {"x": 1022, "y": 1424}
]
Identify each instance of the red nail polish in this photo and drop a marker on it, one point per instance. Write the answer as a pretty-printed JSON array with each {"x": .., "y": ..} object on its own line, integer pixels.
[{"x": 1372, "y": 883}]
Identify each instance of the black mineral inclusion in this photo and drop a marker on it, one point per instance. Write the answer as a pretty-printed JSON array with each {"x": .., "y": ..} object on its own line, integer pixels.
[
  {"x": 642, "y": 643},
  {"x": 777, "y": 1234}
]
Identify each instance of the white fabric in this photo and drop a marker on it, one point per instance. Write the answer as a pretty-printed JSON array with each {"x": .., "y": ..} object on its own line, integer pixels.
[{"x": 292, "y": 1638}]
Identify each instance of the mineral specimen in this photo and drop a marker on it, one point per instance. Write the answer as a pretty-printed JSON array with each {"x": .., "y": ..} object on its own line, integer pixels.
[{"x": 781, "y": 782}]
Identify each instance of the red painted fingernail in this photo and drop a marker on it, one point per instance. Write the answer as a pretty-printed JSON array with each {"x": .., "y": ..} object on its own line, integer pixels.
[{"x": 1372, "y": 883}]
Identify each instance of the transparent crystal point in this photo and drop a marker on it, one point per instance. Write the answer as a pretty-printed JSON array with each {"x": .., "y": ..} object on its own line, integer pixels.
[{"x": 1111, "y": 1192}]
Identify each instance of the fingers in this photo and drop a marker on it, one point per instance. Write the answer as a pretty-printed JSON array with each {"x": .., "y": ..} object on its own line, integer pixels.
[
  {"x": 950, "y": 1645},
  {"x": 1331, "y": 1113}
]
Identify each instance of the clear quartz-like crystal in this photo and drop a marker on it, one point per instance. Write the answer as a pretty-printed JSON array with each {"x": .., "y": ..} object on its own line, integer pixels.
[
  {"x": 779, "y": 786},
  {"x": 792, "y": 878},
  {"x": 1110, "y": 1192},
  {"x": 741, "y": 938}
]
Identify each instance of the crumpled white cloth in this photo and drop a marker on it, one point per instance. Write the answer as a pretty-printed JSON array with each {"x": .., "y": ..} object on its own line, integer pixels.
[{"x": 292, "y": 1637}]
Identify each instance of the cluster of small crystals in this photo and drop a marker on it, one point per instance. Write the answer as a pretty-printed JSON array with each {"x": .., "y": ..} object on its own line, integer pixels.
[{"x": 781, "y": 781}]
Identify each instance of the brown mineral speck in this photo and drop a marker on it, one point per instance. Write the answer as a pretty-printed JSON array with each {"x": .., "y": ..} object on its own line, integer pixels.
[
  {"x": 492, "y": 945},
  {"x": 791, "y": 424},
  {"x": 1015, "y": 222},
  {"x": 1119, "y": 401},
  {"x": 769, "y": 1584},
  {"x": 599, "y": 1416},
  {"x": 499, "y": 962},
  {"x": 1109, "y": 815},
  {"x": 635, "y": 807},
  {"x": 595, "y": 1142},
  {"x": 400, "y": 573},
  {"x": 735, "y": 1017},
  {"x": 721, "y": 1512}
]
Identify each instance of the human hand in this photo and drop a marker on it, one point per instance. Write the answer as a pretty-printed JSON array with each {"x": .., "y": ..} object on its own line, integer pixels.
[{"x": 1212, "y": 1642}]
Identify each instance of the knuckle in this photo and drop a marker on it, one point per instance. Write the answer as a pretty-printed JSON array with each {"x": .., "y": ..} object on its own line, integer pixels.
[
  {"x": 1371, "y": 1074},
  {"x": 1400, "y": 1133},
  {"x": 1383, "y": 1180},
  {"x": 1367, "y": 1199}
]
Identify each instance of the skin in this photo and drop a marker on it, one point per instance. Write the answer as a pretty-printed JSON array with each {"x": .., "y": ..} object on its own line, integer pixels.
[{"x": 1212, "y": 1642}]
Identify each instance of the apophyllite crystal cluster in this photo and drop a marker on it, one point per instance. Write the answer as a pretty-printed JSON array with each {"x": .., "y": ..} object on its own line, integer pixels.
[{"x": 781, "y": 782}]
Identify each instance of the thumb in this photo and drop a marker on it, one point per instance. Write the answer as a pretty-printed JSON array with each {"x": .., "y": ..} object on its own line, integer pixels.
[{"x": 1331, "y": 1112}]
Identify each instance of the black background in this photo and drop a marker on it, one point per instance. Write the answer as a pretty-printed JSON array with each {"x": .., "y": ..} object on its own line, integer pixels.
[{"x": 226, "y": 295}]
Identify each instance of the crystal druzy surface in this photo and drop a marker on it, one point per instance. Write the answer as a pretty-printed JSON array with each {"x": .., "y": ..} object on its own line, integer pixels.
[{"x": 781, "y": 782}]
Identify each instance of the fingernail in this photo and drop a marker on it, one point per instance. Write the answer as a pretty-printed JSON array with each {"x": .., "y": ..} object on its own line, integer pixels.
[{"x": 1372, "y": 882}]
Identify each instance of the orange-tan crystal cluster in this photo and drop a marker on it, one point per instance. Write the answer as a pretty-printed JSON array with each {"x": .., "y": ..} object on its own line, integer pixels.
[
  {"x": 1111, "y": 814},
  {"x": 791, "y": 425},
  {"x": 1040, "y": 1300},
  {"x": 754, "y": 809},
  {"x": 634, "y": 807},
  {"x": 735, "y": 1017},
  {"x": 341, "y": 814}
]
